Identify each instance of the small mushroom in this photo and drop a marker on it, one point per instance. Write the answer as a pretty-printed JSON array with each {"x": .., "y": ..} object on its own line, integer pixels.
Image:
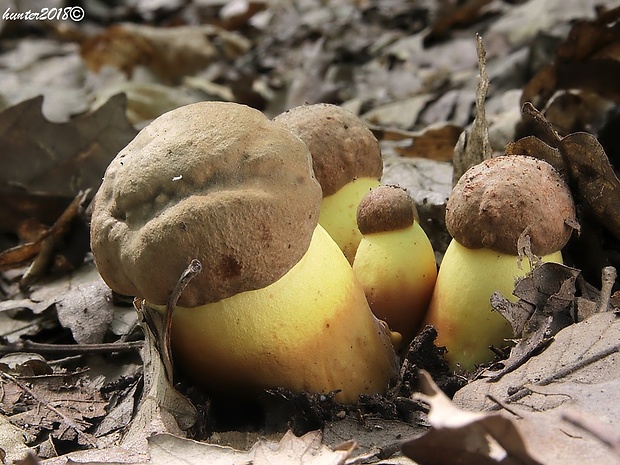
[
  {"x": 277, "y": 304},
  {"x": 492, "y": 206},
  {"x": 347, "y": 162},
  {"x": 395, "y": 261}
]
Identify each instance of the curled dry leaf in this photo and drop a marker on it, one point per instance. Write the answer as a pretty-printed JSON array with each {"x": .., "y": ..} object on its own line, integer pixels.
[
  {"x": 162, "y": 408},
  {"x": 546, "y": 305},
  {"x": 587, "y": 169},
  {"x": 465, "y": 437}
]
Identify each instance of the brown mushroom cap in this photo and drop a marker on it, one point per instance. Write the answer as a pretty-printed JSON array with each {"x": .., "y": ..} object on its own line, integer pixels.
[
  {"x": 497, "y": 200},
  {"x": 343, "y": 148},
  {"x": 215, "y": 181},
  {"x": 386, "y": 208}
]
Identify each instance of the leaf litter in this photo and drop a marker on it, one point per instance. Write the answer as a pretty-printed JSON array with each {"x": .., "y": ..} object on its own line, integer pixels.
[{"x": 404, "y": 68}]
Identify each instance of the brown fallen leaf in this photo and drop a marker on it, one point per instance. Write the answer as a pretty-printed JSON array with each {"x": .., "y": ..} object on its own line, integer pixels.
[
  {"x": 162, "y": 408},
  {"x": 41, "y": 252},
  {"x": 532, "y": 146},
  {"x": 546, "y": 305},
  {"x": 589, "y": 59},
  {"x": 435, "y": 142},
  {"x": 588, "y": 171},
  {"x": 170, "y": 53},
  {"x": 60, "y": 158},
  {"x": 454, "y": 14},
  {"x": 464, "y": 437},
  {"x": 307, "y": 449},
  {"x": 55, "y": 403}
]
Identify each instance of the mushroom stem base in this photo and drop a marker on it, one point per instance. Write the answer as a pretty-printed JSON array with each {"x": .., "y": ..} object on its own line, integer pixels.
[
  {"x": 460, "y": 307},
  {"x": 311, "y": 330}
]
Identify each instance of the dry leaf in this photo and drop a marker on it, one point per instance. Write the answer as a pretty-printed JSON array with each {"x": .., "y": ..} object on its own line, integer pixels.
[
  {"x": 169, "y": 52},
  {"x": 291, "y": 450},
  {"x": 546, "y": 300},
  {"x": 455, "y": 14},
  {"x": 589, "y": 59},
  {"x": 13, "y": 441},
  {"x": 57, "y": 403},
  {"x": 587, "y": 169},
  {"x": 162, "y": 408},
  {"x": 585, "y": 352},
  {"x": 80, "y": 300},
  {"x": 464, "y": 437},
  {"x": 60, "y": 158},
  {"x": 435, "y": 142},
  {"x": 402, "y": 114}
]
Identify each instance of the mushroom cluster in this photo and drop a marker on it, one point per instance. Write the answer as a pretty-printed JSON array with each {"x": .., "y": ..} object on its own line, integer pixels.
[
  {"x": 312, "y": 271},
  {"x": 494, "y": 205},
  {"x": 277, "y": 303}
]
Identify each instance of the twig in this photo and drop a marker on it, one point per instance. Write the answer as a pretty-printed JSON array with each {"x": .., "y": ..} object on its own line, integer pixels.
[
  {"x": 68, "y": 421},
  {"x": 524, "y": 391},
  {"x": 473, "y": 145},
  {"x": 382, "y": 453},
  {"x": 596, "y": 428},
  {"x": 67, "y": 349},
  {"x": 192, "y": 270},
  {"x": 49, "y": 241},
  {"x": 608, "y": 277}
]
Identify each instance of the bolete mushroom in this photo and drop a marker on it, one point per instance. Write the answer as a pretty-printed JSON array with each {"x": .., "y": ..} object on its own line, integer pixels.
[
  {"x": 395, "y": 261},
  {"x": 492, "y": 205},
  {"x": 347, "y": 162},
  {"x": 277, "y": 303}
]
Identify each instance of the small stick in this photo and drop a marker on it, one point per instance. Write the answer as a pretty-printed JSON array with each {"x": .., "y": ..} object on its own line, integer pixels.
[
  {"x": 608, "y": 278},
  {"x": 596, "y": 428},
  {"x": 67, "y": 349},
  {"x": 49, "y": 406},
  {"x": 524, "y": 391},
  {"x": 188, "y": 274}
]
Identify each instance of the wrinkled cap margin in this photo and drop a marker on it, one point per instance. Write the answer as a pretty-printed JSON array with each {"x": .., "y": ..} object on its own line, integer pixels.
[{"x": 215, "y": 181}]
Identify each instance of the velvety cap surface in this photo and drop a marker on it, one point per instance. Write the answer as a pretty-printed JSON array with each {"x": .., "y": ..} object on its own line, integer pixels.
[
  {"x": 385, "y": 208},
  {"x": 497, "y": 200},
  {"x": 343, "y": 148},
  {"x": 215, "y": 181}
]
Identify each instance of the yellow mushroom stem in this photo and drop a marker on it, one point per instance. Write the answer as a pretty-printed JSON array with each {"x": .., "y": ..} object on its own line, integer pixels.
[
  {"x": 397, "y": 270},
  {"x": 338, "y": 214},
  {"x": 311, "y": 330},
  {"x": 460, "y": 307}
]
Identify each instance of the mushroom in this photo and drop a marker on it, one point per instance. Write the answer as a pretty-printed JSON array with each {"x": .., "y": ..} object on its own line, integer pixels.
[
  {"x": 347, "y": 162},
  {"x": 492, "y": 206},
  {"x": 395, "y": 261},
  {"x": 276, "y": 304}
]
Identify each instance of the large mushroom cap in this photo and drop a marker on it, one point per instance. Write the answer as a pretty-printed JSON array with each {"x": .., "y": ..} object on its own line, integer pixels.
[
  {"x": 343, "y": 148},
  {"x": 215, "y": 181},
  {"x": 497, "y": 200}
]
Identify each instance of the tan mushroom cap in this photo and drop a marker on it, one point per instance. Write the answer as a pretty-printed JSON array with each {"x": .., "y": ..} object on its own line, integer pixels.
[
  {"x": 215, "y": 181},
  {"x": 343, "y": 148},
  {"x": 386, "y": 208},
  {"x": 497, "y": 200}
]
